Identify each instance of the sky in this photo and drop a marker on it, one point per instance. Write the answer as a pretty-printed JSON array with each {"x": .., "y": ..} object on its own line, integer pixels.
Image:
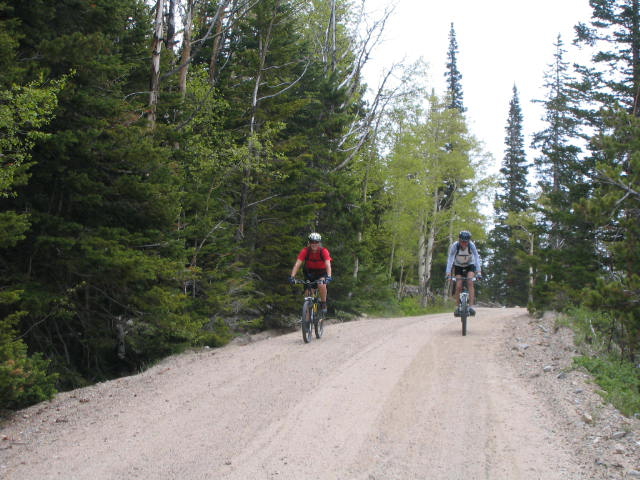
[{"x": 501, "y": 43}]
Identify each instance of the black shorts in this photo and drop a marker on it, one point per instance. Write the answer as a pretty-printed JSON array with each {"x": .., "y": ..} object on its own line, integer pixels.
[
  {"x": 313, "y": 275},
  {"x": 462, "y": 271}
]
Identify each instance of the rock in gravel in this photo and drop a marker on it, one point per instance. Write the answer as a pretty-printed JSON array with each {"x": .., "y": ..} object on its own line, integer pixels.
[{"x": 586, "y": 418}]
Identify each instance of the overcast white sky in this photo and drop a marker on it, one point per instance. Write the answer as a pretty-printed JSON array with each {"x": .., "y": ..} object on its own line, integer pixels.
[{"x": 500, "y": 43}]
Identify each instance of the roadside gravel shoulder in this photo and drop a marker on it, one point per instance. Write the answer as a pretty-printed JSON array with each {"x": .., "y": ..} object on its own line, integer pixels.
[{"x": 605, "y": 442}]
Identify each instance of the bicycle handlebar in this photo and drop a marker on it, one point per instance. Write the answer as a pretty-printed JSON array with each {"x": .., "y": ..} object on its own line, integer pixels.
[
  {"x": 455, "y": 279},
  {"x": 308, "y": 283}
]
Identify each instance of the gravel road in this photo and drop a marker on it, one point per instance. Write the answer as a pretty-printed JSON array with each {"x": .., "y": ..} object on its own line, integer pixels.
[{"x": 374, "y": 399}]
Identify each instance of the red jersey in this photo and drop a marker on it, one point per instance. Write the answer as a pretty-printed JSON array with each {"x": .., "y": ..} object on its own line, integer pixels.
[{"x": 315, "y": 260}]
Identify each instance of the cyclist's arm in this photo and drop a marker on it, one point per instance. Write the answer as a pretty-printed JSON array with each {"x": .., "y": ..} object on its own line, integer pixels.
[
  {"x": 476, "y": 259},
  {"x": 452, "y": 254},
  {"x": 296, "y": 267},
  {"x": 327, "y": 264}
]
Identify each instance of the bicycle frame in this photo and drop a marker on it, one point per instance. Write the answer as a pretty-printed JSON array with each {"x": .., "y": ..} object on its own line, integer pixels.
[
  {"x": 463, "y": 306},
  {"x": 310, "y": 310}
]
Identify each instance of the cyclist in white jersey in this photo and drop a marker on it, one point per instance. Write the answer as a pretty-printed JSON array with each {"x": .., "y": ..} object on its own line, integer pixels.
[{"x": 464, "y": 261}]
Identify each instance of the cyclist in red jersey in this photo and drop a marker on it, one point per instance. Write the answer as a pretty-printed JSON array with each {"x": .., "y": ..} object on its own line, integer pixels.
[{"x": 317, "y": 266}]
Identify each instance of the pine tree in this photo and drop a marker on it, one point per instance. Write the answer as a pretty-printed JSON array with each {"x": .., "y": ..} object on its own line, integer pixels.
[
  {"x": 25, "y": 110},
  {"x": 100, "y": 265},
  {"x": 566, "y": 260},
  {"x": 611, "y": 86},
  {"x": 453, "y": 75},
  {"x": 509, "y": 270}
]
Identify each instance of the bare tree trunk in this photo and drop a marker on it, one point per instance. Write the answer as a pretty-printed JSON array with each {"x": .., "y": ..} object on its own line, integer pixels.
[
  {"x": 332, "y": 29},
  {"x": 356, "y": 262},
  {"x": 422, "y": 248},
  {"x": 264, "y": 41},
  {"x": 447, "y": 282},
  {"x": 217, "y": 41},
  {"x": 401, "y": 282},
  {"x": 365, "y": 192},
  {"x": 170, "y": 41},
  {"x": 392, "y": 257},
  {"x": 532, "y": 278},
  {"x": 428, "y": 262},
  {"x": 430, "y": 231},
  {"x": 155, "y": 63},
  {"x": 185, "y": 58}
]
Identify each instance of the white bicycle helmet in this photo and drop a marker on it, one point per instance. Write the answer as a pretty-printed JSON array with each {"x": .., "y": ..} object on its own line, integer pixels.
[{"x": 315, "y": 237}]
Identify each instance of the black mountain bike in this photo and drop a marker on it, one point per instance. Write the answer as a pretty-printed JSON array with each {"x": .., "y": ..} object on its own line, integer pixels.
[
  {"x": 464, "y": 310},
  {"x": 312, "y": 315}
]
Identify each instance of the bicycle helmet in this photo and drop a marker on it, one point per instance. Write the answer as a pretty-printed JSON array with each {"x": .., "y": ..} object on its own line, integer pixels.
[
  {"x": 315, "y": 237},
  {"x": 464, "y": 236}
]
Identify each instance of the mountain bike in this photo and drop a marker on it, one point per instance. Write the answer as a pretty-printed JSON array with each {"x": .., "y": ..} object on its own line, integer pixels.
[
  {"x": 464, "y": 310},
  {"x": 311, "y": 312}
]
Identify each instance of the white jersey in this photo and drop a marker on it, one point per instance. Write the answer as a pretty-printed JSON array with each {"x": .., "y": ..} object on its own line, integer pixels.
[{"x": 463, "y": 257}]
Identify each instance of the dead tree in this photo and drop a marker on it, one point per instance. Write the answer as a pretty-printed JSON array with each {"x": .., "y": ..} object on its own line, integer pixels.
[{"x": 156, "y": 50}]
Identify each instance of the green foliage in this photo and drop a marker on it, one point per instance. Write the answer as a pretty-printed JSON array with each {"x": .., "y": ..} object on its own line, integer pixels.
[
  {"x": 596, "y": 336},
  {"x": 619, "y": 380},
  {"x": 511, "y": 238},
  {"x": 24, "y": 379},
  {"x": 411, "y": 306},
  {"x": 128, "y": 243},
  {"x": 619, "y": 299},
  {"x": 433, "y": 150},
  {"x": 23, "y": 113}
]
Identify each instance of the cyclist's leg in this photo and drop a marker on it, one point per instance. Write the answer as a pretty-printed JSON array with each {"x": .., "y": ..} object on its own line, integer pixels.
[
  {"x": 320, "y": 276},
  {"x": 323, "y": 295},
  {"x": 459, "y": 272},
  {"x": 471, "y": 273},
  {"x": 323, "y": 290}
]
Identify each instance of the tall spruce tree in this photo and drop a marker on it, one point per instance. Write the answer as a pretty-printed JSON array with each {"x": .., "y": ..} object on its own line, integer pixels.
[
  {"x": 567, "y": 257},
  {"x": 508, "y": 267},
  {"x": 25, "y": 109},
  {"x": 99, "y": 265},
  {"x": 453, "y": 75},
  {"x": 611, "y": 87}
]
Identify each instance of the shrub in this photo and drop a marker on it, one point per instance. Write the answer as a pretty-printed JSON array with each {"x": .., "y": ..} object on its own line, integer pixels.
[{"x": 24, "y": 380}]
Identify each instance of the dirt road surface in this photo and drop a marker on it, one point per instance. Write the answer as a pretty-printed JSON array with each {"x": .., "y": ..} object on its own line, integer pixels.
[{"x": 374, "y": 399}]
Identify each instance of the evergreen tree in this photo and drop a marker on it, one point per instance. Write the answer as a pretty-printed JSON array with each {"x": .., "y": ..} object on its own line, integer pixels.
[
  {"x": 453, "y": 75},
  {"x": 509, "y": 270},
  {"x": 99, "y": 266},
  {"x": 24, "y": 111},
  {"x": 566, "y": 261},
  {"x": 611, "y": 87}
]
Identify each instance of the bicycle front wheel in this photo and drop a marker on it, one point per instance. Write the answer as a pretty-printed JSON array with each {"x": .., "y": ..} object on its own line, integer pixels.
[
  {"x": 307, "y": 317},
  {"x": 464, "y": 312},
  {"x": 318, "y": 323}
]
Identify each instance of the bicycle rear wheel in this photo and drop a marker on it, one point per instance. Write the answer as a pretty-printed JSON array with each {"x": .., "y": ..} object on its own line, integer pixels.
[
  {"x": 306, "y": 321},
  {"x": 464, "y": 312},
  {"x": 318, "y": 323}
]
